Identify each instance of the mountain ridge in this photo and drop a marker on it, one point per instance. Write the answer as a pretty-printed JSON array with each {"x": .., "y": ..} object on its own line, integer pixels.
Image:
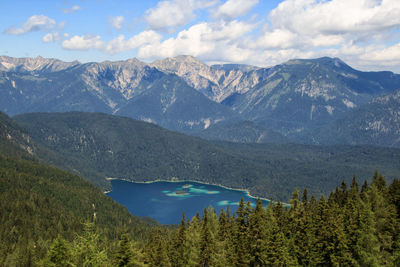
[{"x": 295, "y": 98}]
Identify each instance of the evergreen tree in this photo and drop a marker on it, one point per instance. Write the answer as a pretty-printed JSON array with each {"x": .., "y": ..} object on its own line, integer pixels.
[
  {"x": 207, "y": 242},
  {"x": 384, "y": 217},
  {"x": 394, "y": 192},
  {"x": 277, "y": 245},
  {"x": 179, "y": 245},
  {"x": 258, "y": 235},
  {"x": 156, "y": 250},
  {"x": 226, "y": 239},
  {"x": 124, "y": 254},
  {"x": 354, "y": 185},
  {"x": 59, "y": 254},
  {"x": 367, "y": 247},
  {"x": 294, "y": 201},
  {"x": 87, "y": 249},
  {"x": 192, "y": 247},
  {"x": 242, "y": 242}
]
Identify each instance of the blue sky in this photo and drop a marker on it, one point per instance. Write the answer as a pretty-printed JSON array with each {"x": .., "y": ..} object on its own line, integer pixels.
[{"x": 364, "y": 33}]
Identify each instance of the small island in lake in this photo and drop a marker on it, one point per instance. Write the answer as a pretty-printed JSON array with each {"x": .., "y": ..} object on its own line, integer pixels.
[{"x": 181, "y": 192}]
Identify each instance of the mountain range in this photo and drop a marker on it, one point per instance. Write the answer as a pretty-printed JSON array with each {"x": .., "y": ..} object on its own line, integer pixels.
[{"x": 299, "y": 101}]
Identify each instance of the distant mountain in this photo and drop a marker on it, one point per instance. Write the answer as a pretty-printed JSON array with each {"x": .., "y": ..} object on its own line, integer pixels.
[
  {"x": 242, "y": 132},
  {"x": 130, "y": 88},
  {"x": 302, "y": 94},
  {"x": 171, "y": 103},
  {"x": 37, "y": 64},
  {"x": 295, "y": 99},
  {"x": 97, "y": 146},
  {"x": 377, "y": 122},
  {"x": 230, "y": 67},
  {"x": 216, "y": 82}
]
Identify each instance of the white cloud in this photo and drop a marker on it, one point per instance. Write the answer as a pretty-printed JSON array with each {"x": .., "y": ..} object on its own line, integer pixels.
[
  {"x": 83, "y": 42},
  {"x": 62, "y": 25},
  {"x": 116, "y": 22},
  {"x": 34, "y": 23},
  {"x": 120, "y": 44},
  {"x": 358, "y": 31},
  {"x": 208, "y": 41},
  {"x": 234, "y": 8},
  {"x": 174, "y": 13},
  {"x": 350, "y": 29},
  {"x": 310, "y": 17},
  {"x": 51, "y": 37},
  {"x": 73, "y": 9},
  {"x": 389, "y": 55},
  {"x": 276, "y": 39}
]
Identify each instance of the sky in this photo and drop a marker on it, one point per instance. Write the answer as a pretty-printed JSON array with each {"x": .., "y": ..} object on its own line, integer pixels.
[{"x": 363, "y": 33}]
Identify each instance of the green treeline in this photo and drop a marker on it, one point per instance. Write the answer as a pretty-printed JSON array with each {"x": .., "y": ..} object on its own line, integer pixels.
[
  {"x": 38, "y": 203},
  {"x": 355, "y": 226}
]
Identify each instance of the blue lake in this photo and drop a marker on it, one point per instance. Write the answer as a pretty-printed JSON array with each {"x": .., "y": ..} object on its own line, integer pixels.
[{"x": 165, "y": 201}]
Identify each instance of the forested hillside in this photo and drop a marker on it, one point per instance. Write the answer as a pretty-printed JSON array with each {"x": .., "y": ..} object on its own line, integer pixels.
[
  {"x": 356, "y": 226},
  {"x": 39, "y": 203},
  {"x": 96, "y": 146}
]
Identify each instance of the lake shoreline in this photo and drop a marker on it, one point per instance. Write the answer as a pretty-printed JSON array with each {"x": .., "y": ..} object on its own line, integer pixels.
[{"x": 176, "y": 180}]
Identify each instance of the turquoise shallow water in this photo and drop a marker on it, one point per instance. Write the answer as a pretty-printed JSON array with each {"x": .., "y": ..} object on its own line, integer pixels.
[{"x": 165, "y": 201}]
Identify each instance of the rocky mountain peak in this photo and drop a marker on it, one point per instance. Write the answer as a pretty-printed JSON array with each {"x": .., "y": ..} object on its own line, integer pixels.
[
  {"x": 181, "y": 65},
  {"x": 216, "y": 83},
  {"x": 37, "y": 64},
  {"x": 120, "y": 76}
]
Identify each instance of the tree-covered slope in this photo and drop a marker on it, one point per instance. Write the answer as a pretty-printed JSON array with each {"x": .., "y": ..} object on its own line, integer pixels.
[
  {"x": 121, "y": 147},
  {"x": 100, "y": 146},
  {"x": 39, "y": 202},
  {"x": 300, "y": 95},
  {"x": 377, "y": 122},
  {"x": 242, "y": 132}
]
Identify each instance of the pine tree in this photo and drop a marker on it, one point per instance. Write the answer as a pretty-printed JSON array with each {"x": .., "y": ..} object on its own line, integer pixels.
[
  {"x": 87, "y": 249},
  {"x": 258, "y": 235},
  {"x": 192, "y": 246},
  {"x": 156, "y": 250},
  {"x": 304, "y": 199},
  {"x": 394, "y": 192},
  {"x": 226, "y": 239},
  {"x": 206, "y": 242},
  {"x": 242, "y": 242},
  {"x": 59, "y": 254},
  {"x": 277, "y": 246},
  {"x": 179, "y": 244},
  {"x": 367, "y": 245},
  {"x": 124, "y": 254},
  {"x": 384, "y": 216}
]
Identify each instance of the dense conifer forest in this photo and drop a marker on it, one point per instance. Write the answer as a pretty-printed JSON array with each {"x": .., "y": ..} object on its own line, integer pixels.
[{"x": 354, "y": 226}]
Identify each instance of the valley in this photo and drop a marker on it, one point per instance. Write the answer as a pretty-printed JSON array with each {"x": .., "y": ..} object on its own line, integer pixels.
[
  {"x": 200, "y": 133},
  {"x": 309, "y": 125}
]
